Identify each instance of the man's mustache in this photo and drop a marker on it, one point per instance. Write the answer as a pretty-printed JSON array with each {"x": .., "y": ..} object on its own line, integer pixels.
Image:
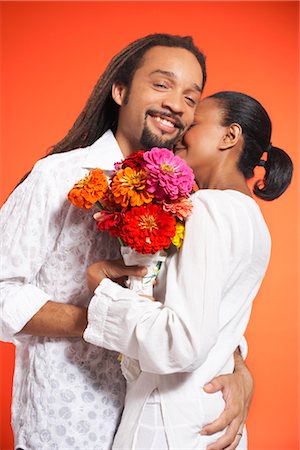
[{"x": 178, "y": 123}]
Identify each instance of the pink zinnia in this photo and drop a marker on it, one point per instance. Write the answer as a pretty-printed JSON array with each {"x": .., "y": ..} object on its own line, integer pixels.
[
  {"x": 181, "y": 209},
  {"x": 169, "y": 176}
]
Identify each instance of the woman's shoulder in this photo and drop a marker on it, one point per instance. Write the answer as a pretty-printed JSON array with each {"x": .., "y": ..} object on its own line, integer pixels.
[
  {"x": 218, "y": 195},
  {"x": 225, "y": 201},
  {"x": 228, "y": 207},
  {"x": 233, "y": 218}
]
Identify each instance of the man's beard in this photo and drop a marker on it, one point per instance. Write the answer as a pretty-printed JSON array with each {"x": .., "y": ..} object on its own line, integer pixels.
[{"x": 149, "y": 140}]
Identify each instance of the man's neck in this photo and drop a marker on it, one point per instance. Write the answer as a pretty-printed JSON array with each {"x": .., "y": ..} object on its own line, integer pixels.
[{"x": 126, "y": 147}]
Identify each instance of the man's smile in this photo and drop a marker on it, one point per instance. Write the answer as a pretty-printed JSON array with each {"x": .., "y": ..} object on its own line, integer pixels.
[{"x": 166, "y": 122}]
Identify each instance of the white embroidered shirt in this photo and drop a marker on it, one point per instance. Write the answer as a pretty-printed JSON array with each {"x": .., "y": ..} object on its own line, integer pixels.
[{"x": 68, "y": 394}]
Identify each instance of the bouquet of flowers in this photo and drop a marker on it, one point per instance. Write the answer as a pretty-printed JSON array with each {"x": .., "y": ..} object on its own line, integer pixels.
[{"x": 144, "y": 204}]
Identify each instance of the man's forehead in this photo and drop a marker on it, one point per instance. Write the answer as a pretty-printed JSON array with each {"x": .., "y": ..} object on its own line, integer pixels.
[{"x": 173, "y": 62}]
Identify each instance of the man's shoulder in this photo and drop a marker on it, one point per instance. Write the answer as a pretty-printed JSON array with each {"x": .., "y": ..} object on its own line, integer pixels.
[
  {"x": 55, "y": 174},
  {"x": 103, "y": 153},
  {"x": 64, "y": 162}
]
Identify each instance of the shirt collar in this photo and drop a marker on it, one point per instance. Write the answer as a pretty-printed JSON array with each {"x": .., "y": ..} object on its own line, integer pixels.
[{"x": 103, "y": 153}]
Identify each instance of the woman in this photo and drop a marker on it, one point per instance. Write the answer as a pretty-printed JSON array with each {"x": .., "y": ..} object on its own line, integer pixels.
[{"x": 205, "y": 291}]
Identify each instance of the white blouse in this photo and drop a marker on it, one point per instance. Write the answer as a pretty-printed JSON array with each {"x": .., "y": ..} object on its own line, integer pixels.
[{"x": 182, "y": 341}]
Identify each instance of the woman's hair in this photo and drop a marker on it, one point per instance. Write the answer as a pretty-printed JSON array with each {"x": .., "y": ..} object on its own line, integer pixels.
[
  {"x": 101, "y": 112},
  {"x": 257, "y": 129}
]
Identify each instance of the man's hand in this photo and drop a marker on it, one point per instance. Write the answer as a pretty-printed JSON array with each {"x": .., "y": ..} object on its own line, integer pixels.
[
  {"x": 237, "y": 390},
  {"x": 115, "y": 270}
]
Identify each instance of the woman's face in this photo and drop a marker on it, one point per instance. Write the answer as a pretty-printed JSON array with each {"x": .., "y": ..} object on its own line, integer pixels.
[{"x": 200, "y": 145}]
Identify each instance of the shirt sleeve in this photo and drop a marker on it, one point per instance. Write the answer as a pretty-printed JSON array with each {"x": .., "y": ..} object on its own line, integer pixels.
[
  {"x": 186, "y": 326},
  {"x": 29, "y": 223}
]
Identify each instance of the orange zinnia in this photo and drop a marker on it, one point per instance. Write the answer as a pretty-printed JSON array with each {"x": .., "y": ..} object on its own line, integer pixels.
[
  {"x": 88, "y": 191},
  {"x": 129, "y": 187}
]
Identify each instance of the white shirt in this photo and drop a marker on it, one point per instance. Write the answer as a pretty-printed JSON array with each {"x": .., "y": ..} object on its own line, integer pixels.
[
  {"x": 207, "y": 289},
  {"x": 68, "y": 394}
]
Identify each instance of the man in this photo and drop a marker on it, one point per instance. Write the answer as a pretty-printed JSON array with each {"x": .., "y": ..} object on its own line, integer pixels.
[{"x": 69, "y": 394}]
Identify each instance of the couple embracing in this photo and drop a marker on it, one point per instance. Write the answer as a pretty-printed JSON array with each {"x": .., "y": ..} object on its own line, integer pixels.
[{"x": 194, "y": 389}]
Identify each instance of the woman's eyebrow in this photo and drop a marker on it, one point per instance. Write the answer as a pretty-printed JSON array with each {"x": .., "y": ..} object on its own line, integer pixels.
[{"x": 173, "y": 75}]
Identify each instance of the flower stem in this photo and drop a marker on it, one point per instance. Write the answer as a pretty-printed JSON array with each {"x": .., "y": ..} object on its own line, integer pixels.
[{"x": 99, "y": 205}]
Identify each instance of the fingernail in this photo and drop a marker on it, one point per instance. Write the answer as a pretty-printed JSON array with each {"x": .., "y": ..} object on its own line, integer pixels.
[
  {"x": 203, "y": 432},
  {"x": 208, "y": 385}
]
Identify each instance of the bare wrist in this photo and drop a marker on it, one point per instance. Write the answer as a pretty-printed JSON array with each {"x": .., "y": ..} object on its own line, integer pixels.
[{"x": 95, "y": 274}]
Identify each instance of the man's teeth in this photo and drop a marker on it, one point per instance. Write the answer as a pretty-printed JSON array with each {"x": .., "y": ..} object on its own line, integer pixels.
[{"x": 164, "y": 121}]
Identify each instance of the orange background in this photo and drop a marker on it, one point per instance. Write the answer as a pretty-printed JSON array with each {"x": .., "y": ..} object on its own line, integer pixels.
[{"x": 52, "y": 55}]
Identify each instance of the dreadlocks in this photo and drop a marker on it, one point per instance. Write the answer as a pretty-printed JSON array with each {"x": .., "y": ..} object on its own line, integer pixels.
[{"x": 101, "y": 112}]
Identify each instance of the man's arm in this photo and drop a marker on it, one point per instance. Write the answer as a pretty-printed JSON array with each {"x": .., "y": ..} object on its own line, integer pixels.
[
  {"x": 57, "y": 320},
  {"x": 237, "y": 389},
  {"x": 30, "y": 223}
]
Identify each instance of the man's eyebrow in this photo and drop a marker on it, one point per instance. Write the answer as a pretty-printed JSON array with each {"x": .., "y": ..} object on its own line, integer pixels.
[{"x": 172, "y": 75}]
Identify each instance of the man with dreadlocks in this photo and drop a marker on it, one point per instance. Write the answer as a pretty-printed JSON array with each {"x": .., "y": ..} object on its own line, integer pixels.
[{"x": 69, "y": 394}]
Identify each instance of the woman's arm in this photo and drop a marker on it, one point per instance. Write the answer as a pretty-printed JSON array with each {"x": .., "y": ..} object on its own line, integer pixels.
[{"x": 186, "y": 326}]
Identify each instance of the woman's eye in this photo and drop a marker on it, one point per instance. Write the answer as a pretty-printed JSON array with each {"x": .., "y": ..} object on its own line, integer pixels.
[{"x": 192, "y": 125}]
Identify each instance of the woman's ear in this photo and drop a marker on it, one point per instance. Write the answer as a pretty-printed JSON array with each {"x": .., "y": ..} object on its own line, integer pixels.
[
  {"x": 233, "y": 133},
  {"x": 119, "y": 93}
]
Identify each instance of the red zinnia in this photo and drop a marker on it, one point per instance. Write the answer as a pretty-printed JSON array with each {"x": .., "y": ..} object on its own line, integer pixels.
[
  {"x": 134, "y": 161},
  {"x": 148, "y": 229},
  {"x": 110, "y": 222}
]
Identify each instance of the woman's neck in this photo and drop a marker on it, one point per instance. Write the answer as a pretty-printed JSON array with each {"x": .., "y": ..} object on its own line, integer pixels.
[{"x": 223, "y": 178}]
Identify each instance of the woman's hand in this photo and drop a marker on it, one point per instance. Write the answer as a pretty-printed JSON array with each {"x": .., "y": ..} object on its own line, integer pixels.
[
  {"x": 113, "y": 269},
  {"x": 237, "y": 389}
]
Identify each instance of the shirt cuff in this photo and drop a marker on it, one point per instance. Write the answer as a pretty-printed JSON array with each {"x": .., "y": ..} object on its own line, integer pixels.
[
  {"x": 97, "y": 312},
  {"x": 19, "y": 307},
  {"x": 106, "y": 294}
]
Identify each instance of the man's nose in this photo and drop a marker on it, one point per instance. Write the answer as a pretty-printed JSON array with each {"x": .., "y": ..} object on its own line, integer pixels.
[{"x": 175, "y": 102}]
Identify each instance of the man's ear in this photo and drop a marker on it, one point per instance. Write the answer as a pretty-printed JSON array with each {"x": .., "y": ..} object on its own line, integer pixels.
[
  {"x": 233, "y": 133},
  {"x": 119, "y": 92}
]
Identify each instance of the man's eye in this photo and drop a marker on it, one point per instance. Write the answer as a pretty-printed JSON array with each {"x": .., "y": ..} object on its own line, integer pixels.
[
  {"x": 191, "y": 101},
  {"x": 160, "y": 85}
]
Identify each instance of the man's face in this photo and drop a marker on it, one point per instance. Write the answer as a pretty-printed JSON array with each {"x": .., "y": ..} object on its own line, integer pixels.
[{"x": 161, "y": 103}]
